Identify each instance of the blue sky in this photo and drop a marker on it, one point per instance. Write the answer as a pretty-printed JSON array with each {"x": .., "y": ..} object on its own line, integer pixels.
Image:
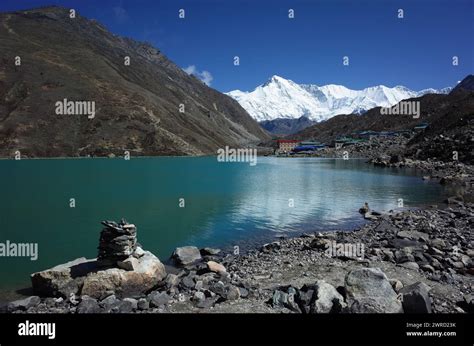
[{"x": 415, "y": 51}]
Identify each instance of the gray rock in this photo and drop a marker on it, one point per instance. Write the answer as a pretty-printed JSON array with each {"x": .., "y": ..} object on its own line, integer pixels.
[
  {"x": 414, "y": 235},
  {"x": 143, "y": 304},
  {"x": 158, "y": 299},
  {"x": 243, "y": 292},
  {"x": 370, "y": 216},
  {"x": 219, "y": 289},
  {"x": 397, "y": 285},
  {"x": 24, "y": 304},
  {"x": 284, "y": 299},
  {"x": 149, "y": 272},
  {"x": 468, "y": 301},
  {"x": 320, "y": 243},
  {"x": 416, "y": 298},
  {"x": 206, "y": 303},
  {"x": 276, "y": 245},
  {"x": 199, "y": 285},
  {"x": 108, "y": 303},
  {"x": 438, "y": 243},
  {"x": 188, "y": 281},
  {"x": 369, "y": 291},
  {"x": 436, "y": 252},
  {"x": 186, "y": 255},
  {"x": 172, "y": 280},
  {"x": 199, "y": 296},
  {"x": 233, "y": 293},
  {"x": 133, "y": 302},
  {"x": 125, "y": 306},
  {"x": 404, "y": 255},
  {"x": 364, "y": 209},
  {"x": 129, "y": 264},
  {"x": 207, "y": 251},
  {"x": 427, "y": 268},
  {"x": 88, "y": 305},
  {"x": 139, "y": 252},
  {"x": 327, "y": 299},
  {"x": 64, "y": 279},
  {"x": 399, "y": 243}
]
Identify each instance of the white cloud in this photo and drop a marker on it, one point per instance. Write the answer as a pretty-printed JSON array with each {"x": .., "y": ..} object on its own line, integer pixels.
[
  {"x": 121, "y": 15},
  {"x": 204, "y": 76}
]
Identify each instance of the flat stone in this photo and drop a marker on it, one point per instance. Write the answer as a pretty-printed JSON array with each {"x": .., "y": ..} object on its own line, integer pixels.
[
  {"x": 216, "y": 267},
  {"x": 129, "y": 264},
  {"x": 186, "y": 255},
  {"x": 427, "y": 268},
  {"x": 64, "y": 279},
  {"x": 414, "y": 235},
  {"x": 139, "y": 252},
  {"x": 158, "y": 299},
  {"x": 24, "y": 304}
]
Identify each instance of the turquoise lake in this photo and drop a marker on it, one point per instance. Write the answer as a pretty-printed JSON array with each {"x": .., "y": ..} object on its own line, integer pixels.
[{"x": 226, "y": 204}]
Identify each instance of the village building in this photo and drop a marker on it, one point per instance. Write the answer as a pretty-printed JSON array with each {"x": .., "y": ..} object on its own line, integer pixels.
[{"x": 286, "y": 145}]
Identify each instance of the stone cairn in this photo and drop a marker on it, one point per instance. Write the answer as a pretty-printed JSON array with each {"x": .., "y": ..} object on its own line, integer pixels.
[{"x": 118, "y": 241}]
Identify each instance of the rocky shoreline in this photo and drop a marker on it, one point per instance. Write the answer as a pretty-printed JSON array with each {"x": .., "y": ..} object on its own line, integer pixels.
[{"x": 411, "y": 261}]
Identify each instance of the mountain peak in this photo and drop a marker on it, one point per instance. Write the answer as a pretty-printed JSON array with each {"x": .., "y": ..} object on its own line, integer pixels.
[
  {"x": 276, "y": 79},
  {"x": 467, "y": 83},
  {"x": 283, "y": 98}
]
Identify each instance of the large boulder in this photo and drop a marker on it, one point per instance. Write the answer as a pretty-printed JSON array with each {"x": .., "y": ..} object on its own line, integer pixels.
[
  {"x": 368, "y": 290},
  {"x": 416, "y": 298},
  {"x": 326, "y": 299},
  {"x": 148, "y": 272},
  {"x": 64, "y": 279},
  {"x": 186, "y": 255},
  {"x": 88, "y": 277}
]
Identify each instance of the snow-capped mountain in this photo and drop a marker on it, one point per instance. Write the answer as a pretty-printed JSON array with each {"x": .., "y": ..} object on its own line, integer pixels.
[{"x": 283, "y": 98}]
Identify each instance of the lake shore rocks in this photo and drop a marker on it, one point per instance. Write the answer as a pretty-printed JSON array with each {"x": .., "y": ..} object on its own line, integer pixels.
[{"x": 412, "y": 261}]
